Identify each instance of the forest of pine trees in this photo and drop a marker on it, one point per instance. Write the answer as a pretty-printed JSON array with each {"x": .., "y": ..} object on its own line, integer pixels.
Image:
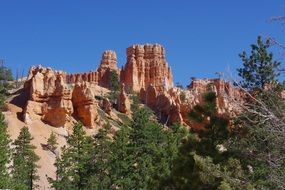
[{"x": 144, "y": 154}]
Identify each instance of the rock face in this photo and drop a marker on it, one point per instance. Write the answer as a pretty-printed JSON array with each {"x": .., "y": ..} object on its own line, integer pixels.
[
  {"x": 100, "y": 77},
  {"x": 50, "y": 99},
  {"x": 85, "y": 106},
  {"x": 123, "y": 101},
  {"x": 106, "y": 106},
  {"x": 54, "y": 102},
  {"x": 226, "y": 93},
  {"x": 56, "y": 97},
  {"x": 146, "y": 65},
  {"x": 174, "y": 105},
  {"x": 166, "y": 104}
]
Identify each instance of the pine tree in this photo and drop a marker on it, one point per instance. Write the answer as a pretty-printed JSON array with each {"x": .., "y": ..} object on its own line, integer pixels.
[
  {"x": 24, "y": 169},
  {"x": 5, "y": 154},
  {"x": 114, "y": 86},
  {"x": 5, "y": 74},
  {"x": 120, "y": 160},
  {"x": 141, "y": 153},
  {"x": 224, "y": 175},
  {"x": 52, "y": 142},
  {"x": 3, "y": 92},
  {"x": 260, "y": 136},
  {"x": 100, "y": 165},
  {"x": 146, "y": 147},
  {"x": 215, "y": 127},
  {"x": 198, "y": 155},
  {"x": 259, "y": 68},
  {"x": 73, "y": 166}
]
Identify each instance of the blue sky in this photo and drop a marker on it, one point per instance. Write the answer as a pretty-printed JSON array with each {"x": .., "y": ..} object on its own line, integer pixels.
[{"x": 200, "y": 37}]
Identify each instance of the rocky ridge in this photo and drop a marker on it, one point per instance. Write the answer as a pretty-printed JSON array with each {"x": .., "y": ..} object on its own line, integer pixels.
[{"x": 59, "y": 99}]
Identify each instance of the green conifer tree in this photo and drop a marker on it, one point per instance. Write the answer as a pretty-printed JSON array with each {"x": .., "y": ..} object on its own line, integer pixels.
[
  {"x": 259, "y": 68},
  {"x": 260, "y": 136},
  {"x": 52, "y": 142},
  {"x": 5, "y": 154},
  {"x": 24, "y": 169},
  {"x": 198, "y": 155},
  {"x": 100, "y": 164},
  {"x": 73, "y": 166},
  {"x": 141, "y": 153},
  {"x": 120, "y": 160}
]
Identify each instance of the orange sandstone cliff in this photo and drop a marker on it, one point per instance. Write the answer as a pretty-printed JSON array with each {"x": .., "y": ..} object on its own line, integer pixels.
[{"x": 59, "y": 99}]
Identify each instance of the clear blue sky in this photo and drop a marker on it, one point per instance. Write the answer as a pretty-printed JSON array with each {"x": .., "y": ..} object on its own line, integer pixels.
[{"x": 200, "y": 37}]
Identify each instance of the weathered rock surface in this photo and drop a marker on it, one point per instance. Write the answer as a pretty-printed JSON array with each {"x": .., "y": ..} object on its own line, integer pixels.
[
  {"x": 174, "y": 105},
  {"x": 53, "y": 101},
  {"x": 56, "y": 97},
  {"x": 85, "y": 106},
  {"x": 101, "y": 76},
  {"x": 146, "y": 65},
  {"x": 106, "y": 106},
  {"x": 123, "y": 101},
  {"x": 50, "y": 99}
]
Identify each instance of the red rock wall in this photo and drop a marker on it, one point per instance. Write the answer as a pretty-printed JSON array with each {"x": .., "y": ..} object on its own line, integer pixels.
[
  {"x": 102, "y": 75},
  {"x": 170, "y": 108},
  {"x": 56, "y": 96},
  {"x": 146, "y": 65}
]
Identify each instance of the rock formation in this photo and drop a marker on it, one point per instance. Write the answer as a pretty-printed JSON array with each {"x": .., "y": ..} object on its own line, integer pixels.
[
  {"x": 50, "y": 99},
  {"x": 170, "y": 108},
  {"x": 85, "y": 106},
  {"x": 53, "y": 101},
  {"x": 106, "y": 106},
  {"x": 56, "y": 97},
  {"x": 123, "y": 101},
  {"x": 146, "y": 65},
  {"x": 101, "y": 76},
  {"x": 226, "y": 93}
]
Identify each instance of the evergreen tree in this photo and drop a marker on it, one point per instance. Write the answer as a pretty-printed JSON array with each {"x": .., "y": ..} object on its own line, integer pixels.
[
  {"x": 120, "y": 162},
  {"x": 142, "y": 153},
  {"x": 100, "y": 164},
  {"x": 227, "y": 175},
  {"x": 5, "y": 154},
  {"x": 3, "y": 92},
  {"x": 199, "y": 154},
  {"x": 147, "y": 144},
  {"x": 5, "y": 74},
  {"x": 5, "y": 150},
  {"x": 260, "y": 136},
  {"x": 114, "y": 85},
  {"x": 24, "y": 169},
  {"x": 52, "y": 142},
  {"x": 73, "y": 166},
  {"x": 214, "y": 126},
  {"x": 259, "y": 68}
]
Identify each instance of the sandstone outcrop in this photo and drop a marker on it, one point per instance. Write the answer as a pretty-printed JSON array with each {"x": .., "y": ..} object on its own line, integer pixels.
[
  {"x": 54, "y": 101},
  {"x": 226, "y": 93},
  {"x": 56, "y": 97},
  {"x": 85, "y": 106},
  {"x": 146, "y": 65},
  {"x": 50, "y": 99},
  {"x": 102, "y": 75},
  {"x": 166, "y": 106},
  {"x": 227, "y": 101},
  {"x": 123, "y": 101},
  {"x": 174, "y": 105},
  {"x": 106, "y": 106}
]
